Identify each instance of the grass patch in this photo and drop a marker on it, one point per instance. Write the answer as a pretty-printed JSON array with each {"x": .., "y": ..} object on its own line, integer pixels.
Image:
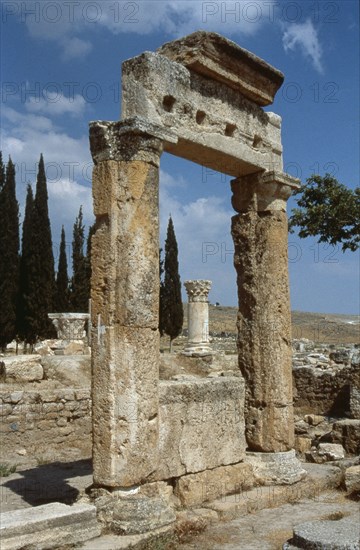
[{"x": 7, "y": 469}]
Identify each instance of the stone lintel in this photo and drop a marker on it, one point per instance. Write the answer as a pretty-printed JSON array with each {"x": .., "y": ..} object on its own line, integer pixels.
[
  {"x": 263, "y": 191},
  {"x": 220, "y": 59},
  {"x": 216, "y": 126},
  {"x": 130, "y": 139}
]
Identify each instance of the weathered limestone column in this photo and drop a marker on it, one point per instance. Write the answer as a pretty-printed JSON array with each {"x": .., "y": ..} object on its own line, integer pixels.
[
  {"x": 260, "y": 234},
  {"x": 125, "y": 301},
  {"x": 198, "y": 318}
]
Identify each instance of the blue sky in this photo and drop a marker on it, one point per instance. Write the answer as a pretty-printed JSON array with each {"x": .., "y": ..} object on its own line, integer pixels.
[{"x": 61, "y": 68}]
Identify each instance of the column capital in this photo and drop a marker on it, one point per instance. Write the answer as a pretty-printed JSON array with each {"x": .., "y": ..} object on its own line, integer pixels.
[
  {"x": 130, "y": 139},
  {"x": 262, "y": 191},
  {"x": 198, "y": 290}
]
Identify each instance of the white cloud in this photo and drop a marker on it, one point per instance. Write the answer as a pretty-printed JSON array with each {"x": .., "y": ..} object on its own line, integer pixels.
[
  {"x": 75, "y": 48},
  {"x": 202, "y": 228},
  {"x": 67, "y": 161},
  {"x": 65, "y": 199},
  {"x": 57, "y": 104},
  {"x": 304, "y": 36},
  {"x": 179, "y": 17},
  {"x": 33, "y": 134},
  {"x": 63, "y": 22}
]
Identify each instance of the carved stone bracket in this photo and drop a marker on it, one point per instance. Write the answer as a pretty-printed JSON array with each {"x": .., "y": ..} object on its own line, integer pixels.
[{"x": 130, "y": 139}]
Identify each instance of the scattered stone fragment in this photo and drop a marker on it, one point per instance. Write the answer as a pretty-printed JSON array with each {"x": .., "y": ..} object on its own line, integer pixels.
[
  {"x": 347, "y": 432},
  {"x": 326, "y": 452},
  {"x": 314, "y": 419},
  {"x": 352, "y": 479},
  {"x": 21, "y": 368}
]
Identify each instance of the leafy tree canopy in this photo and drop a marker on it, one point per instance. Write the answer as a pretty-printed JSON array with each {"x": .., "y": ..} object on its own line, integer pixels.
[{"x": 328, "y": 210}]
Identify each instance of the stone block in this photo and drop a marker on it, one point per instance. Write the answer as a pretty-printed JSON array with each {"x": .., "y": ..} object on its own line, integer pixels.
[
  {"x": 48, "y": 526},
  {"x": 302, "y": 444},
  {"x": 347, "y": 432},
  {"x": 201, "y": 425},
  {"x": 326, "y": 452},
  {"x": 354, "y": 401},
  {"x": 21, "y": 368},
  {"x": 195, "y": 489},
  {"x": 352, "y": 479},
  {"x": 74, "y": 348},
  {"x": 71, "y": 370},
  {"x": 314, "y": 419}
]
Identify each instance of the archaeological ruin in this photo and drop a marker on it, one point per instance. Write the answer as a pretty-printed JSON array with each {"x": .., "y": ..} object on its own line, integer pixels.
[
  {"x": 199, "y": 98},
  {"x": 119, "y": 443}
]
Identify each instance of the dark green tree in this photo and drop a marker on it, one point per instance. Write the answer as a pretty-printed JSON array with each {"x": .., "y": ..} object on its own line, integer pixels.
[
  {"x": 9, "y": 253},
  {"x": 173, "y": 315},
  {"x": 328, "y": 210},
  {"x": 2, "y": 172},
  {"x": 26, "y": 319},
  {"x": 62, "y": 298},
  {"x": 79, "y": 281},
  {"x": 88, "y": 262},
  {"x": 44, "y": 259},
  {"x": 161, "y": 294}
]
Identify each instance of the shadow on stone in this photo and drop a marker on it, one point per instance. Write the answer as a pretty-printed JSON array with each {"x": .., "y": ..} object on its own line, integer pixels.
[{"x": 50, "y": 482}]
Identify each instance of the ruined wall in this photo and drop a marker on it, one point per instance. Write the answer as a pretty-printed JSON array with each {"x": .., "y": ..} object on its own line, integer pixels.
[
  {"x": 326, "y": 391},
  {"x": 202, "y": 424},
  {"x": 47, "y": 424}
]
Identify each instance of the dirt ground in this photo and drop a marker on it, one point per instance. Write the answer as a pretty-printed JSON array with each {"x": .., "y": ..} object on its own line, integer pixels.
[{"x": 268, "y": 529}]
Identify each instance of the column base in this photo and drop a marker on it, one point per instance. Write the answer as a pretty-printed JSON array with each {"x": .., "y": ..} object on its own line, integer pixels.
[
  {"x": 197, "y": 350},
  {"x": 130, "y": 512},
  {"x": 276, "y": 468}
]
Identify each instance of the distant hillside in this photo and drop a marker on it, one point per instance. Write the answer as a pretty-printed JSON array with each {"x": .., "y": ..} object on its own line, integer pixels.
[{"x": 320, "y": 327}]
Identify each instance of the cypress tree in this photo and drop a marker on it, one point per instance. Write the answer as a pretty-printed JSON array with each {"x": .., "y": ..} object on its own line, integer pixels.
[
  {"x": 173, "y": 308},
  {"x": 62, "y": 298},
  {"x": 45, "y": 271},
  {"x": 161, "y": 294},
  {"x": 9, "y": 253},
  {"x": 26, "y": 318},
  {"x": 88, "y": 262},
  {"x": 79, "y": 284},
  {"x": 2, "y": 173}
]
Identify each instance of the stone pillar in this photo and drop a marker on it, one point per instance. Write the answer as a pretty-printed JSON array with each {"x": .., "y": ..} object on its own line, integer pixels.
[
  {"x": 125, "y": 303},
  {"x": 260, "y": 234},
  {"x": 198, "y": 318}
]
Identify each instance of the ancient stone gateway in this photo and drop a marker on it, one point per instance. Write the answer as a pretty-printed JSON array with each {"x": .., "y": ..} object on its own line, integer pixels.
[{"x": 200, "y": 98}]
